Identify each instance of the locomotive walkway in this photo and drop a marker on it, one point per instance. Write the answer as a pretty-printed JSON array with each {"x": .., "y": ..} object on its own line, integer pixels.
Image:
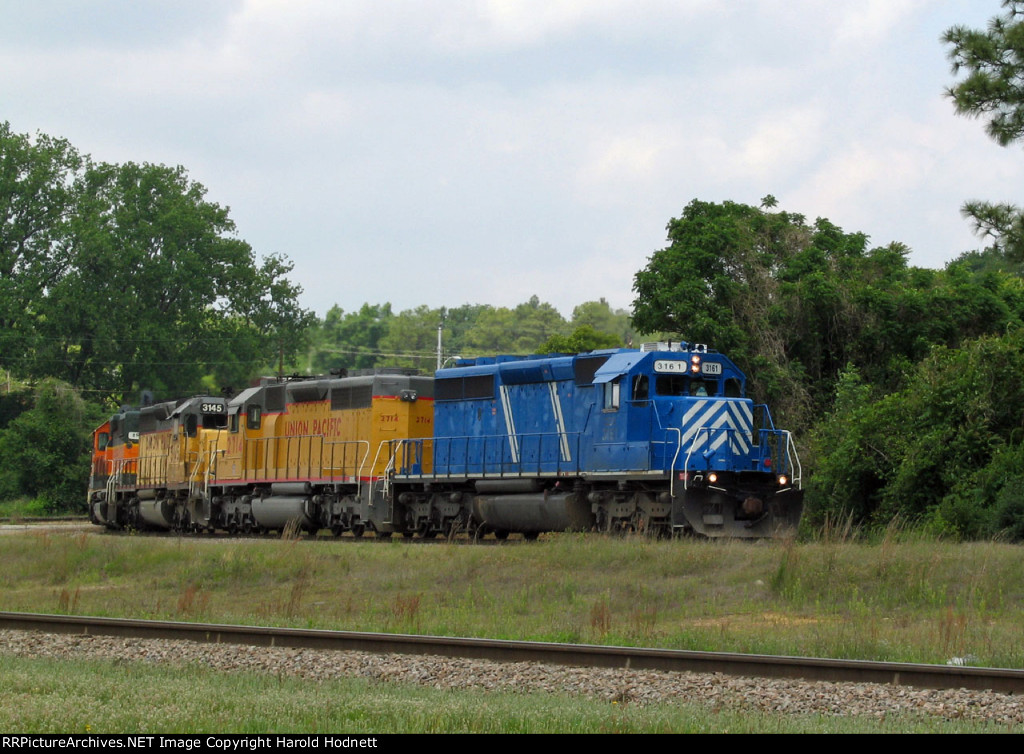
[{"x": 905, "y": 674}]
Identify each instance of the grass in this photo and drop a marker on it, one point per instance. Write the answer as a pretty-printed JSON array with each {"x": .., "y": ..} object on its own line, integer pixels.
[
  {"x": 46, "y": 696},
  {"x": 902, "y": 598},
  {"x": 923, "y": 601}
]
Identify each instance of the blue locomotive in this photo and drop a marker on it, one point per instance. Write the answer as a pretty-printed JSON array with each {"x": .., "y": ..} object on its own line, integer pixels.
[{"x": 659, "y": 439}]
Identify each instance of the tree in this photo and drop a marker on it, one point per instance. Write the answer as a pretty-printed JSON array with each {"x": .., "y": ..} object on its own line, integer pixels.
[
  {"x": 522, "y": 330},
  {"x": 46, "y": 448},
  {"x": 993, "y": 89},
  {"x": 120, "y": 277},
  {"x": 994, "y": 62},
  {"x": 795, "y": 303},
  {"x": 760, "y": 286},
  {"x": 37, "y": 196},
  {"x": 583, "y": 338},
  {"x": 352, "y": 340},
  {"x": 161, "y": 290},
  {"x": 411, "y": 340},
  {"x": 944, "y": 449},
  {"x": 601, "y": 317}
]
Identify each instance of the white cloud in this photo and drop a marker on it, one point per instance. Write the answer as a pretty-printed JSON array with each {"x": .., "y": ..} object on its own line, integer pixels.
[
  {"x": 871, "y": 21},
  {"x": 488, "y": 150}
]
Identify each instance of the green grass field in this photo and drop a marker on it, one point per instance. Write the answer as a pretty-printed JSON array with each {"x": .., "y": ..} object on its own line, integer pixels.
[
  {"x": 46, "y": 696},
  {"x": 911, "y": 600}
]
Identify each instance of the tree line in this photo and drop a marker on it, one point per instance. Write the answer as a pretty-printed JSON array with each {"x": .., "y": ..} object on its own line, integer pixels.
[{"x": 377, "y": 336}]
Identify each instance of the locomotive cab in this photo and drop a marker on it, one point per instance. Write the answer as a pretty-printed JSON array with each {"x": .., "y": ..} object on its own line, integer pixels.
[{"x": 681, "y": 410}]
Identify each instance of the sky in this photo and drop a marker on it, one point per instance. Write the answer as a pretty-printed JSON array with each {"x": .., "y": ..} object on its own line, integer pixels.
[{"x": 445, "y": 152}]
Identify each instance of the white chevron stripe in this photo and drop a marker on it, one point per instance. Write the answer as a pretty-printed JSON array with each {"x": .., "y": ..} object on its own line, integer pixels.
[
  {"x": 510, "y": 425},
  {"x": 717, "y": 415},
  {"x": 702, "y": 420},
  {"x": 556, "y": 406},
  {"x": 741, "y": 423}
]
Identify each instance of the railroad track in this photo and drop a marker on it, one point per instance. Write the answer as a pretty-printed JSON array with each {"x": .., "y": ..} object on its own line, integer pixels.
[{"x": 1003, "y": 680}]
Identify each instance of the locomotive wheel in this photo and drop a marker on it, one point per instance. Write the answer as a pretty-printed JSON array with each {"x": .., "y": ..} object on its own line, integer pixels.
[
  {"x": 501, "y": 534},
  {"x": 358, "y": 530},
  {"x": 337, "y": 530},
  {"x": 531, "y": 536}
]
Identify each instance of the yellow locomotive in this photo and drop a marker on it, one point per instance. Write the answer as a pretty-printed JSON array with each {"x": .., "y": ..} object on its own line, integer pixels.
[{"x": 312, "y": 453}]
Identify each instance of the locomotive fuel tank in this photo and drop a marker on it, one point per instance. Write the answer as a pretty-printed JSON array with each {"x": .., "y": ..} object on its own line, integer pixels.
[
  {"x": 548, "y": 510},
  {"x": 156, "y": 514},
  {"x": 278, "y": 511}
]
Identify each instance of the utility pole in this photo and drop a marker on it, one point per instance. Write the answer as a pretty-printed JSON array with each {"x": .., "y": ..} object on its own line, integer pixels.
[{"x": 440, "y": 328}]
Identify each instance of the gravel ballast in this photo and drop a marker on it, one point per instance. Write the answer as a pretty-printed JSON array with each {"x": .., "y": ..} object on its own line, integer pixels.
[{"x": 622, "y": 686}]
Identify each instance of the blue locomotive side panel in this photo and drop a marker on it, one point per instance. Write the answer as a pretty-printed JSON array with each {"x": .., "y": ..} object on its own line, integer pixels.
[{"x": 506, "y": 416}]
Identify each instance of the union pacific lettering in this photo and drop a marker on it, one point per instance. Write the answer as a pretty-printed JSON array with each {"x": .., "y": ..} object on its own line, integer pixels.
[{"x": 321, "y": 427}]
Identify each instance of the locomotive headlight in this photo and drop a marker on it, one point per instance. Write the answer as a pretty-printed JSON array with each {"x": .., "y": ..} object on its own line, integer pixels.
[
  {"x": 712, "y": 477},
  {"x": 783, "y": 480}
]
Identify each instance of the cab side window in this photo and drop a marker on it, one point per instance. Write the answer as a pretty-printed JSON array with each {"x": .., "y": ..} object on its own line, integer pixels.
[
  {"x": 253, "y": 415},
  {"x": 641, "y": 388},
  {"x": 612, "y": 395}
]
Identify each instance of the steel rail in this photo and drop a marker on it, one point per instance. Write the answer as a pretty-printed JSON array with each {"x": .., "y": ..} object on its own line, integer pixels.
[{"x": 1004, "y": 680}]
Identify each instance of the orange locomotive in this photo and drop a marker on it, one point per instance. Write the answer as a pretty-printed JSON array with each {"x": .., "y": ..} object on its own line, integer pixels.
[{"x": 115, "y": 453}]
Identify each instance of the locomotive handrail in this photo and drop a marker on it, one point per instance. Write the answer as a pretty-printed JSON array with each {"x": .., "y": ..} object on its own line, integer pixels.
[
  {"x": 729, "y": 432},
  {"x": 360, "y": 461},
  {"x": 787, "y": 453},
  {"x": 386, "y": 478},
  {"x": 274, "y": 443},
  {"x": 798, "y": 477},
  {"x": 389, "y": 468},
  {"x": 111, "y": 483},
  {"x": 211, "y": 464},
  {"x": 675, "y": 456},
  {"x": 766, "y": 417},
  {"x": 149, "y": 467},
  {"x": 195, "y": 455}
]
